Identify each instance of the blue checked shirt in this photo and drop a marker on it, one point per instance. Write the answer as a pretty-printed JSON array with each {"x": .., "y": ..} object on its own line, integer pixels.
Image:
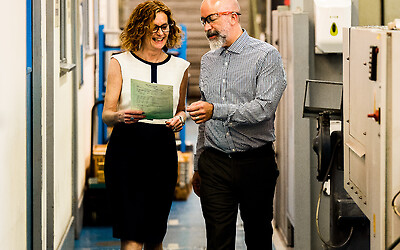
[{"x": 244, "y": 82}]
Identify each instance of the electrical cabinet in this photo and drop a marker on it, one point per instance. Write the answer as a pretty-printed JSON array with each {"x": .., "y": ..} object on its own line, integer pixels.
[
  {"x": 371, "y": 108},
  {"x": 292, "y": 200}
]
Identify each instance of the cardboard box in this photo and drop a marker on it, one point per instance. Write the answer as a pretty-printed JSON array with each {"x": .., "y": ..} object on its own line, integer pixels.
[
  {"x": 99, "y": 153},
  {"x": 185, "y": 172}
]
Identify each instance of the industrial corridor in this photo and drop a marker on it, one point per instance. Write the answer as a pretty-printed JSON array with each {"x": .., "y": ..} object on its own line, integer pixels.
[{"x": 295, "y": 103}]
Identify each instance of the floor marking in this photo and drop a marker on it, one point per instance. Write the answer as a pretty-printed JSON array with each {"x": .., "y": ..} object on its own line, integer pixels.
[
  {"x": 173, "y": 246},
  {"x": 173, "y": 222}
]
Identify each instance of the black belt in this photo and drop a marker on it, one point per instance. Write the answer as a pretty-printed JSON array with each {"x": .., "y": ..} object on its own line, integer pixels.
[{"x": 255, "y": 152}]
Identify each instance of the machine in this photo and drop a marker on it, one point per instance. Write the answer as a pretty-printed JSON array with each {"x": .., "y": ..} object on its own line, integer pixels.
[
  {"x": 349, "y": 227},
  {"x": 361, "y": 159},
  {"x": 371, "y": 128}
]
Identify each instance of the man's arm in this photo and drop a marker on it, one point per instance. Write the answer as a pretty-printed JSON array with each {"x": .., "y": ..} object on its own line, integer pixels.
[
  {"x": 199, "y": 145},
  {"x": 196, "y": 181}
]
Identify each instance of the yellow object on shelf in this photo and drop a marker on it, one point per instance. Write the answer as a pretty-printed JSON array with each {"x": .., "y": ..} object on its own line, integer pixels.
[
  {"x": 99, "y": 153},
  {"x": 185, "y": 173}
]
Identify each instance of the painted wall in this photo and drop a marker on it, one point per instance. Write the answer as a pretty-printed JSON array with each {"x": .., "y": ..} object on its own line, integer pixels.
[
  {"x": 62, "y": 156},
  {"x": 85, "y": 103},
  {"x": 392, "y": 10},
  {"x": 370, "y": 12},
  {"x": 43, "y": 191},
  {"x": 56, "y": 128},
  {"x": 63, "y": 104},
  {"x": 64, "y": 160},
  {"x": 13, "y": 125}
]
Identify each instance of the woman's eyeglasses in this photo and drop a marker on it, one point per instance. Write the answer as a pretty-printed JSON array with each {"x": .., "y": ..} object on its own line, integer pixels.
[
  {"x": 164, "y": 28},
  {"x": 212, "y": 17}
]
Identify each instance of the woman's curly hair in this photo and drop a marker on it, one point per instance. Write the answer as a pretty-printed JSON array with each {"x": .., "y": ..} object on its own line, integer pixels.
[{"x": 138, "y": 26}]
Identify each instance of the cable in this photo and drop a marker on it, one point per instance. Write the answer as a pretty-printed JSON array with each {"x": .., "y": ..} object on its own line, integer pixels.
[
  {"x": 319, "y": 202},
  {"x": 394, "y": 244},
  {"x": 396, "y": 211}
]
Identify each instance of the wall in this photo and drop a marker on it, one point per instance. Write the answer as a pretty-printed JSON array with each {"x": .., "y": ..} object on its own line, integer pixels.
[
  {"x": 370, "y": 12},
  {"x": 60, "y": 173},
  {"x": 59, "y": 151},
  {"x": 392, "y": 10},
  {"x": 72, "y": 125},
  {"x": 62, "y": 154},
  {"x": 54, "y": 149},
  {"x": 64, "y": 149},
  {"x": 85, "y": 102},
  {"x": 13, "y": 125}
]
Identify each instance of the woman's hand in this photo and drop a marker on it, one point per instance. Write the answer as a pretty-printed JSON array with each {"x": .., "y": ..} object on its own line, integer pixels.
[
  {"x": 129, "y": 116},
  {"x": 176, "y": 123}
]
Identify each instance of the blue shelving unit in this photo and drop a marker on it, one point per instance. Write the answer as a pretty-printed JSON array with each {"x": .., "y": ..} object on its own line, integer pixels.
[
  {"x": 29, "y": 127},
  {"x": 102, "y": 127},
  {"x": 181, "y": 52}
]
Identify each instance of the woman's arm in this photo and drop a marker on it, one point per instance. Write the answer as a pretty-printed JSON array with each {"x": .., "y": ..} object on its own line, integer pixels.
[
  {"x": 177, "y": 122},
  {"x": 114, "y": 85},
  {"x": 113, "y": 91},
  {"x": 180, "y": 110}
]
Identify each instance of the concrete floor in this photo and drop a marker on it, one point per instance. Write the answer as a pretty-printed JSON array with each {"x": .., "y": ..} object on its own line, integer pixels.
[{"x": 186, "y": 230}]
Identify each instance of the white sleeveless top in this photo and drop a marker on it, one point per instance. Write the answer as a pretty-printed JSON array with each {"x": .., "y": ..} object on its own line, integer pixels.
[{"x": 168, "y": 72}]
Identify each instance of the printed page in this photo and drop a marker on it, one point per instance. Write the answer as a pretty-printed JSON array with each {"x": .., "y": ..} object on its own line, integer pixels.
[{"x": 155, "y": 100}]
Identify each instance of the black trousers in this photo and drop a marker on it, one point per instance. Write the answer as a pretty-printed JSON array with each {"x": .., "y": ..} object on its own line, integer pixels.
[{"x": 241, "y": 180}]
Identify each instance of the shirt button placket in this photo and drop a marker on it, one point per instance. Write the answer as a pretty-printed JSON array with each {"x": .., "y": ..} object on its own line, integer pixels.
[
  {"x": 224, "y": 84},
  {"x": 226, "y": 72}
]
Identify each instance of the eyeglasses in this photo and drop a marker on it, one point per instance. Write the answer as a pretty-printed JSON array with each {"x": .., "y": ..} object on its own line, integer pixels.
[
  {"x": 164, "y": 28},
  {"x": 212, "y": 17}
]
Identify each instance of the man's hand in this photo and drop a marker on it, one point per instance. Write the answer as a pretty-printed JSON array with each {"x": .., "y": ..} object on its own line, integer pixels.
[
  {"x": 200, "y": 111},
  {"x": 196, "y": 182}
]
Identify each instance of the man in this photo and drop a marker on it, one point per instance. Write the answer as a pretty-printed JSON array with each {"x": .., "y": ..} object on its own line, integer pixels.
[{"x": 241, "y": 82}]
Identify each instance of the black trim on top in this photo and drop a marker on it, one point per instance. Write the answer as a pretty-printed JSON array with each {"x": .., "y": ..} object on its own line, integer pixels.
[
  {"x": 153, "y": 73},
  {"x": 153, "y": 66}
]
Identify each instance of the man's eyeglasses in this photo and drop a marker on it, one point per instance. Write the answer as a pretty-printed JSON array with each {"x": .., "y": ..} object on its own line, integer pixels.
[
  {"x": 212, "y": 17},
  {"x": 164, "y": 28}
]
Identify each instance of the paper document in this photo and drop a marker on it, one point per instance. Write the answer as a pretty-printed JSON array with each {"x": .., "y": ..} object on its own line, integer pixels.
[{"x": 155, "y": 100}]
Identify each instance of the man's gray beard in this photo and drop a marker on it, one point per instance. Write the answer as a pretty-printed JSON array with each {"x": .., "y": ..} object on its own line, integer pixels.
[{"x": 216, "y": 43}]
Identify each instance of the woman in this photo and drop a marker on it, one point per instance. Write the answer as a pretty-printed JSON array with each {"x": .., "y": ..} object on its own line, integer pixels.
[{"x": 141, "y": 159}]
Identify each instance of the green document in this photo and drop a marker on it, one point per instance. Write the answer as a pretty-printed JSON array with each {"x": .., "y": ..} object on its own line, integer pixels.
[{"x": 155, "y": 100}]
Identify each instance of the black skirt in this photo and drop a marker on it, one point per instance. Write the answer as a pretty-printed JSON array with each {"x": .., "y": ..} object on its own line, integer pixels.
[{"x": 141, "y": 172}]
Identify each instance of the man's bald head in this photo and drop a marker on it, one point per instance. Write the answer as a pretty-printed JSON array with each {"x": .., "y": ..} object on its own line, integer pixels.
[{"x": 220, "y": 5}]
